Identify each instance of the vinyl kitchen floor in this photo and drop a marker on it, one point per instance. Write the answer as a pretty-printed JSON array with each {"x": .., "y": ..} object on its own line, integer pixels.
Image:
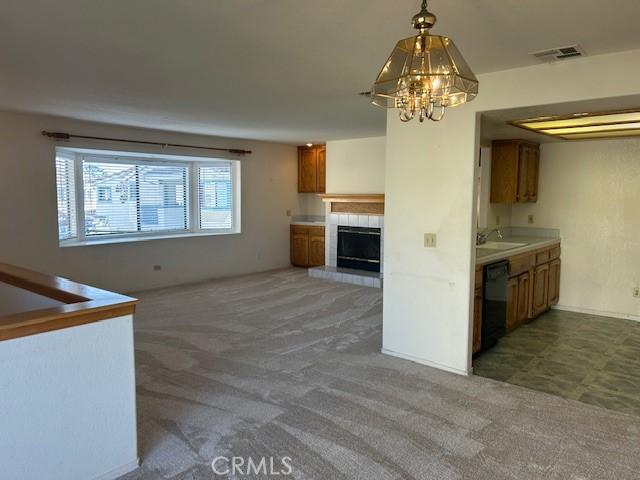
[{"x": 588, "y": 358}]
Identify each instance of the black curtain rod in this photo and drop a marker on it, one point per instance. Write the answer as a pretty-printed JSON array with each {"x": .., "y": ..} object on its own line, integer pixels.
[{"x": 67, "y": 136}]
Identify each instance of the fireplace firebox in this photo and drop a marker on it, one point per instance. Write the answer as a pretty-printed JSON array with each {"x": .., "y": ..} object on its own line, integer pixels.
[{"x": 359, "y": 248}]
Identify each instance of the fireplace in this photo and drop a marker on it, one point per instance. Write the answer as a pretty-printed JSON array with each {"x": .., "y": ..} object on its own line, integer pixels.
[
  {"x": 354, "y": 240},
  {"x": 359, "y": 248}
]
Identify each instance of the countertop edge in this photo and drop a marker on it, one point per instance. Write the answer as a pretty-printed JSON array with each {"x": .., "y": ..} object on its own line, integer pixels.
[
  {"x": 81, "y": 304},
  {"x": 504, "y": 254}
]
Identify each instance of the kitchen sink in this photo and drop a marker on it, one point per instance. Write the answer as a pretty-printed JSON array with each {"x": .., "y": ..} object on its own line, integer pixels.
[{"x": 500, "y": 245}]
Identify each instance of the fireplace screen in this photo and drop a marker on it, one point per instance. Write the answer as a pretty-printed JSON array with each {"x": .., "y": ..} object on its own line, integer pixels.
[{"x": 359, "y": 248}]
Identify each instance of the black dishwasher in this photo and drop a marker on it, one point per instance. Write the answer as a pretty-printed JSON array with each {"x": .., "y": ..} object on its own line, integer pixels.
[{"x": 494, "y": 303}]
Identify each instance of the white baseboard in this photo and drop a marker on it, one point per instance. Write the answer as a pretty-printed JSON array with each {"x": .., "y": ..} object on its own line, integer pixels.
[
  {"x": 428, "y": 363},
  {"x": 602, "y": 313},
  {"x": 118, "y": 472}
]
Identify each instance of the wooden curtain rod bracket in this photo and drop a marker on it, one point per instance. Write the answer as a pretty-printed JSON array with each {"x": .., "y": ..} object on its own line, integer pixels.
[{"x": 67, "y": 136}]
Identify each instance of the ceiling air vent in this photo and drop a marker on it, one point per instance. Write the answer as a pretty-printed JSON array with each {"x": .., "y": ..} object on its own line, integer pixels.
[{"x": 560, "y": 53}]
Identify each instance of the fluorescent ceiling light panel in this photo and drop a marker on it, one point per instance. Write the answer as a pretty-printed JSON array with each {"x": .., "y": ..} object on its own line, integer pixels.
[
  {"x": 582, "y": 126},
  {"x": 586, "y": 136}
]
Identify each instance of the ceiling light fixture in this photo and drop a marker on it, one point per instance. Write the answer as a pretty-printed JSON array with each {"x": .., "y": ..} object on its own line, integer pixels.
[
  {"x": 309, "y": 144},
  {"x": 581, "y": 126},
  {"x": 424, "y": 74}
]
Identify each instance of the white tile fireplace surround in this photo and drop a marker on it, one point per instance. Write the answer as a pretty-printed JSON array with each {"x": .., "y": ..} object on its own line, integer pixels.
[{"x": 348, "y": 275}]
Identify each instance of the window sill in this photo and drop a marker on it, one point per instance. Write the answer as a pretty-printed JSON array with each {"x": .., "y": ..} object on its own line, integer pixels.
[{"x": 141, "y": 238}]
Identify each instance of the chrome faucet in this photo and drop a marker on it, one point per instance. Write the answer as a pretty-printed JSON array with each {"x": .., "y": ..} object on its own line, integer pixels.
[{"x": 482, "y": 236}]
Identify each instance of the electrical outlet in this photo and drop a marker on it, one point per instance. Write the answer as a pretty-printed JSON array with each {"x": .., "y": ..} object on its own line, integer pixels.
[
  {"x": 157, "y": 268},
  {"x": 530, "y": 219},
  {"x": 430, "y": 240},
  {"x": 636, "y": 292},
  {"x": 288, "y": 213}
]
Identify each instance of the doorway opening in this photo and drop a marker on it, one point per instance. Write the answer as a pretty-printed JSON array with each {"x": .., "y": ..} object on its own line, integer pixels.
[{"x": 557, "y": 214}]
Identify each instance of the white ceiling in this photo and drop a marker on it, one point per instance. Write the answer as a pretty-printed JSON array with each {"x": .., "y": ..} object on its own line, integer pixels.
[{"x": 285, "y": 70}]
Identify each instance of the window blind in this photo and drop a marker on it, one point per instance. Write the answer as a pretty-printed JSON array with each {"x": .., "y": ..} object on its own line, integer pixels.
[
  {"x": 131, "y": 198},
  {"x": 65, "y": 189},
  {"x": 108, "y": 196},
  {"x": 215, "y": 196}
]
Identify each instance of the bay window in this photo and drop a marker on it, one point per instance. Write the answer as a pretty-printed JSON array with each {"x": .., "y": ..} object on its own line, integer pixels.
[{"x": 108, "y": 197}]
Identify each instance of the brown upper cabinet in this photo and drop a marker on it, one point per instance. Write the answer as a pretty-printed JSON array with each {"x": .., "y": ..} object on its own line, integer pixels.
[
  {"x": 312, "y": 169},
  {"x": 515, "y": 167}
]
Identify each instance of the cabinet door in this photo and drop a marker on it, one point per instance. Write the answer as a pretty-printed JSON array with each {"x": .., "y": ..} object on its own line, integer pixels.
[
  {"x": 524, "y": 287},
  {"x": 533, "y": 171},
  {"x": 554, "y": 282},
  {"x": 299, "y": 246},
  {"x": 512, "y": 304},
  {"x": 322, "y": 170},
  {"x": 316, "y": 249},
  {"x": 528, "y": 167},
  {"x": 477, "y": 320},
  {"x": 523, "y": 174},
  {"x": 540, "y": 290},
  {"x": 504, "y": 171},
  {"x": 307, "y": 170}
]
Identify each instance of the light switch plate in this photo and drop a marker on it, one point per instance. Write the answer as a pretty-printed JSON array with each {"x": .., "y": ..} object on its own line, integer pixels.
[{"x": 430, "y": 240}]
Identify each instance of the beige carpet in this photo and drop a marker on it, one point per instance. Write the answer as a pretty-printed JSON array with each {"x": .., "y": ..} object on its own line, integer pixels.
[{"x": 279, "y": 364}]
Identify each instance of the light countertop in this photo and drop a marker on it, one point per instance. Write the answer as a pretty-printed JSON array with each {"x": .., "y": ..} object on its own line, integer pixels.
[
  {"x": 311, "y": 220},
  {"x": 487, "y": 255}
]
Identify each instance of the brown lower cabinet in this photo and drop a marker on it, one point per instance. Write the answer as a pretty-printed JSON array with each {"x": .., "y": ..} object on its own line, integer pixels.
[
  {"x": 554, "y": 282},
  {"x": 316, "y": 246},
  {"x": 524, "y": 294},
  {"x": 518, "y": 290},
  {"x": 307, "y": 246},
  {"x": 533, "y": 287},
  {"x": 539, "y": 287},
  {"x": 540, "y": 301},
  {"x": 512, "y": 304}
]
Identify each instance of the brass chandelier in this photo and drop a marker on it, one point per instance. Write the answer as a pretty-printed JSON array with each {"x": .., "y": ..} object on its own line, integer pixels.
[{"x": 424, "y": 74}]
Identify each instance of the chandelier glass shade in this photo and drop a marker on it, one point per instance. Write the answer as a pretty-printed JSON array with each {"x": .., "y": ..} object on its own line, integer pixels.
[{"x": 424, "y": 75}]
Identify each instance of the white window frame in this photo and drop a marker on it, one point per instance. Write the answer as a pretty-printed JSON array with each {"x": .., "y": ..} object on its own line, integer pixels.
[{"x": 192, "y": 163}]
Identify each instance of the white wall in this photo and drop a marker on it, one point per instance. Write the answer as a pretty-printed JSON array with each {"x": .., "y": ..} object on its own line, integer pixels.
[
  {"x": 590, "y": 190},
  {"x": 356, "y": 166},
  {"x": 311, "y": 204},
  {"x": 430, "y": 187},
  {"x": 68, "y": 403},
  {"x": 28, "y": 232}
]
